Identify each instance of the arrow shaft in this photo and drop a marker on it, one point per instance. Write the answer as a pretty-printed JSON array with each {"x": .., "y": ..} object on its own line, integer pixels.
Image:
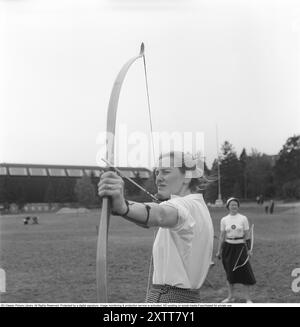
[{"x": 129, "y": 179}]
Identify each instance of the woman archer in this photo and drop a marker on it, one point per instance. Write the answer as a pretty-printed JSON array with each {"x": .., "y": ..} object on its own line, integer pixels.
[
  {"x": 183, "y": 245},
  {"x": 234, "y": 249}
]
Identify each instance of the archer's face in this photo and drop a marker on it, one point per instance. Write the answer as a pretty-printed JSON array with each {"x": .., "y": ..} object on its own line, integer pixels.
[{"x": 169, "y": 181}]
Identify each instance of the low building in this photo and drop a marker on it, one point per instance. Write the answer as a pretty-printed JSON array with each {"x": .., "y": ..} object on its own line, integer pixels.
[{"x": 24, "y": 184}]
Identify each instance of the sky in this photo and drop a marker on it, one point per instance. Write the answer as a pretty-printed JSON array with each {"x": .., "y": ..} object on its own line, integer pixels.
[{"x": 230, "y": 64}]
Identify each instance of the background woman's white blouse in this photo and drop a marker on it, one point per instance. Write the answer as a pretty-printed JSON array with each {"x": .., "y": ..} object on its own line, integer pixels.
[{"x": 234, "y": 225}]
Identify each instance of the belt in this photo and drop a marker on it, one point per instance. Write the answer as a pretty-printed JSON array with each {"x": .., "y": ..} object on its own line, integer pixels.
[{"x": 234, "y": 238}]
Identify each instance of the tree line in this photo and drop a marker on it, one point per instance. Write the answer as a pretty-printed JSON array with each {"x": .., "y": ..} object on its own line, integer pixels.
[
  {"x": 250, "y": 175},
  {"x": 245, "y": 176}
]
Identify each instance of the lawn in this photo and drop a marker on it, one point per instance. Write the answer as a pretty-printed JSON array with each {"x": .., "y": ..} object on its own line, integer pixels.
[{"x": 54, "y": 261}]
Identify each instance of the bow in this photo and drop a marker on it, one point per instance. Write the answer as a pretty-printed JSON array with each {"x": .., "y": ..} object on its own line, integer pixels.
[
  {"x": 101, "y": 261},
  {"x": 236, "y": 266}
]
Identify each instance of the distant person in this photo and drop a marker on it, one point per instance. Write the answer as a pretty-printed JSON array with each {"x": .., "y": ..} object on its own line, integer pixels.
[
  {"x": 267, "y": 208},
  {"x": 258, "y": 199},
  {"x": 234, "y": 249},
  {"x": 26, "y": 220},
  {"x": 272, "y": 204},
  {"x": 261, "y": 199}
]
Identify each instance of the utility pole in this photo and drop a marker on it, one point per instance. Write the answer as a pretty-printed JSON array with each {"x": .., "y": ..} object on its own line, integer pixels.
[
  {"x": 245, "y": 185},
  {"x": 219, "y": 201}
]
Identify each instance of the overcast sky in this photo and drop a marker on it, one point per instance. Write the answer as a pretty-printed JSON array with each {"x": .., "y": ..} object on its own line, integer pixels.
[{"x": 231, "y": 63}]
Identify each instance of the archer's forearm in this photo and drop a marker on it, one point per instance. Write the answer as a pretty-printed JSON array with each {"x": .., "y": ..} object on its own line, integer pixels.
[{"x": 151, "y": 214}]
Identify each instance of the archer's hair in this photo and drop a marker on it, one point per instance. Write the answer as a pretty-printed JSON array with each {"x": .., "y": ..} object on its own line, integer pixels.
[{"x": 197, "y": 185}]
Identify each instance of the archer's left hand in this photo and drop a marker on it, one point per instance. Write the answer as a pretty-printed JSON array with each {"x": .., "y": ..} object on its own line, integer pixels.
[
  {"x": 112, "y": 185},
  {"x": 249, "y": 253}
]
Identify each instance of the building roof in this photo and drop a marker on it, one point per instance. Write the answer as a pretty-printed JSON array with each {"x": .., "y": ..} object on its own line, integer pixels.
[{"x": 13, "y": 169}]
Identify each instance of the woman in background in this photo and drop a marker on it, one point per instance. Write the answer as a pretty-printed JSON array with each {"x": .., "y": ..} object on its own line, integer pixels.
[{"x": 234, "y": 249}]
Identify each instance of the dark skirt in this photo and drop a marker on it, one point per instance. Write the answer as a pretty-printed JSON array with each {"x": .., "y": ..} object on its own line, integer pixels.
[{"x": 241, "y": 275}]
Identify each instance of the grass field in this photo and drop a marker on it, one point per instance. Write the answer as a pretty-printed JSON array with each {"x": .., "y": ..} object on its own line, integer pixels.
[{"x": 54, "y": 261}]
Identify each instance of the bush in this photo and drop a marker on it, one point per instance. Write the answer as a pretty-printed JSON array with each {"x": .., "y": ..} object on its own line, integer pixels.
[
  {"x": 85, "y": 191},
  {"x": 291, "y": 189}
]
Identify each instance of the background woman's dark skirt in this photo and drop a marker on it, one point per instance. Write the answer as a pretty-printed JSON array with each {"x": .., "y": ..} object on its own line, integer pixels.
[{"x": 242, "y": 275}]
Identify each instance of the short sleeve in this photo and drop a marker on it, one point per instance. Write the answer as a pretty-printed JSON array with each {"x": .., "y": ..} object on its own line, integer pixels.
[
  {"x": 245, "y": 223},
  {"x": 185, "y": 219}
]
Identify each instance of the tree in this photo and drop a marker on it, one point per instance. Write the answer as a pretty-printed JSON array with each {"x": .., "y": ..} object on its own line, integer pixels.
[
  {"x": 50, "y": 193},
  {"x": 259, "y": 175},
  {"x": 63, "y": 191},
  {"x": 206, "y": 169},
  {"x": 132, "y": 191},
  {"x": 286, "y": 169},
  {"x": 85, "y": 191},
  {"x": 291, "y": 189},
  {"x": 229, "y": 171},
  {"x": 3, "y": 196},
  {"x": 94, "y": 182},
  {"x": 211, "y": 191},
  {"x": 21, "y": 195},
  {"x": 243, "y": 178}
]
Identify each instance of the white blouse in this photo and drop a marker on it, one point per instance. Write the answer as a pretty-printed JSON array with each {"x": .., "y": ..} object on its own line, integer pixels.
[
  {"x": 182, "y": 254},
  {"x": 234, "y": 227}
]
